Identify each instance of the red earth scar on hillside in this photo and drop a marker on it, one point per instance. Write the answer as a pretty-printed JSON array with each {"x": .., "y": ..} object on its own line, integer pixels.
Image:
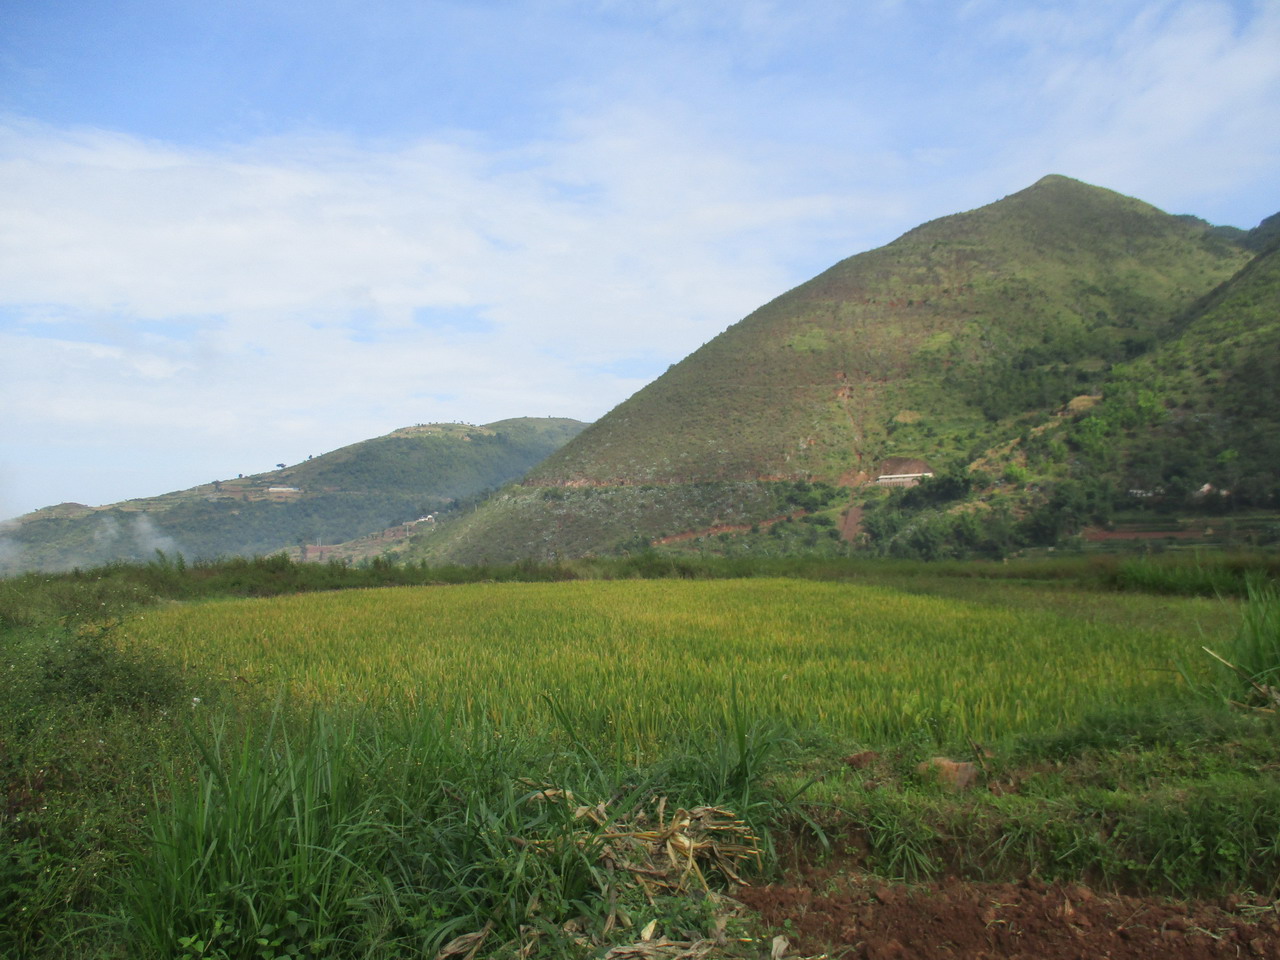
[{"x": 851, "y": 524}]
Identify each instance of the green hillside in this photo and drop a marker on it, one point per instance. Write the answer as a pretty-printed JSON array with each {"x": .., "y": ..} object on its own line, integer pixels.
[
  {"x": 1180, "y": 441},
  {"x": 559, "y": 522},
  {"x": 1197, "y": 421},
  {"x": 958, "y": 325},
  {"x": 1205, "y": 408},
  {"x": 953, "y": 340},
  {"x": 341, "y": 495},
  {"x": 1264, "y": 235}
]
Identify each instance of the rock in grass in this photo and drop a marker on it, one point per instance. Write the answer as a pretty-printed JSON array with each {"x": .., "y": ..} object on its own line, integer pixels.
[
  {"x": 859, "y": 761},
  {"x": 952, "y": 774}
]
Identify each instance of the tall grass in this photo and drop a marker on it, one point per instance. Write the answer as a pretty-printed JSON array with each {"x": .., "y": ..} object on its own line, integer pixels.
[
  {"x": 390, "y": 834},
  {"x": 1248, "y": 673},
  {"x": 1256, "y": 650},
  {"x": 1191, "y": 575}
]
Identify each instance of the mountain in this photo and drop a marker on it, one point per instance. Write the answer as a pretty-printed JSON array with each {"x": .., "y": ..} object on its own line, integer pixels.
[
  {"x": 1181, "y": 442},
  {"x": 1196, "y": 420},
  {"x": 341, "y": 495},
  {"x": 1224, "y": 371},
  {"x": 1264, "y": 235},
  {"x": 947, "y": 343}
]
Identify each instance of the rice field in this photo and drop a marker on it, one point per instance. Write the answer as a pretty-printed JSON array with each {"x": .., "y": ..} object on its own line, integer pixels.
[
  {"x": 640, "y": 660},
  {"x": 431, "y": 814}
]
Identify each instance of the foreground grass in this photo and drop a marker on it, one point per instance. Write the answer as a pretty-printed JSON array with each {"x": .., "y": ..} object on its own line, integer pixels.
[
  {"x": 174, "y": 826},
  {"x": 1174, "y": 799},
  {"x": 376, "y": 835},
  {"x": 477, "y": 765}
]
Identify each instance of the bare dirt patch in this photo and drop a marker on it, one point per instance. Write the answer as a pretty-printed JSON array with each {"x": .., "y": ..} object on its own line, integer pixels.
[
  {"x": 851, "y": 524},
  {"x": 825, "y": 912}
]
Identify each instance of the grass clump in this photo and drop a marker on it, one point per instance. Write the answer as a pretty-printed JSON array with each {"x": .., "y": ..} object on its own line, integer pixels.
[
  {"x": 1256, "y": 650},
  {"x": 83, "y": 728},
  {"x": 1214, "y": 575},
  {"x": 1175, "y": 799},
  {"x": 363, "y": 834}
]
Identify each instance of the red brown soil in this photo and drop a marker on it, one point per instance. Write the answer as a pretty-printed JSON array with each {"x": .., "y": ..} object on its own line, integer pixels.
[
  {"x": 851, "y": 524},
  {"x": 826, "y": 913}
]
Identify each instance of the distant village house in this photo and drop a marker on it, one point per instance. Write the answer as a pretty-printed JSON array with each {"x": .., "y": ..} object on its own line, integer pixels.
[
  {"x": 902, "y": 472},
  {"x": 901, "y": 479}
]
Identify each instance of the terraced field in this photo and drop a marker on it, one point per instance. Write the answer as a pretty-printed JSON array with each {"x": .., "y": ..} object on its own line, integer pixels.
[{"x": 641, "y": 659}]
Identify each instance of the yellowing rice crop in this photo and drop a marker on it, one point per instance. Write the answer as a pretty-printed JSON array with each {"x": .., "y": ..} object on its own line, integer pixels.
[{"x": 644, "y": 658}]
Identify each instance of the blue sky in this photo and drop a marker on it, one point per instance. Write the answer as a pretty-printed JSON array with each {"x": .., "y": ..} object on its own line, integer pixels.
[{"x": 239, "y": 233}]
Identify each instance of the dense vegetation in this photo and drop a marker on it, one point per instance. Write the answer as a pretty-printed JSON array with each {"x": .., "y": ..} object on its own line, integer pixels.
[
  {"x": 178, "y": 780},
  {"x": 1190, "y": 429},
  {"x": 335, "y": 497},
  {"x": 1198, "y": 421}
]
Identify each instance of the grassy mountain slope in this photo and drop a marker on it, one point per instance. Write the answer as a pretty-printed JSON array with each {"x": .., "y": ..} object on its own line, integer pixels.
[
  {"x": 1190, "y": 429},
  {"x": 947, "y": 342},
  {"x": 1202, "y": 409},
  {"x": 558, "y": 522},
  {"x": 357, "y": 489},
  {"x": 957, "y": 325},
  {"x": 1264, "y": 235}
]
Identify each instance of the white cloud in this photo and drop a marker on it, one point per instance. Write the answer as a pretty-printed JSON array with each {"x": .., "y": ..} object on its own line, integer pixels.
[
  {"x": 101, "y": 223},
  {"x": 1173, "y": 102},
  {"x": 280, "y": 294},
  {"x": 198, "y": 309}
]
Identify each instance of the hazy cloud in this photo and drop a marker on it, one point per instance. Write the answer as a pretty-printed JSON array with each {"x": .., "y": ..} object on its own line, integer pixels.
[
  {"x": 1176, "y": 102},
  {"x": 10, "y": 554},
  {"x": 148, "y": 538},
  {"x": 176, "y": 309},
  {"x": 280, "y": 289}
]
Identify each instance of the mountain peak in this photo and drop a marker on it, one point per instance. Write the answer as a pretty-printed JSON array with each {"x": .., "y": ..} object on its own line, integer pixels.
[
  {"x": 948, "y": 341},
  {"x": 1069, "y": 189},
  {"x": 1050, "y": 179},
  {"x": 968, "y": 316}
]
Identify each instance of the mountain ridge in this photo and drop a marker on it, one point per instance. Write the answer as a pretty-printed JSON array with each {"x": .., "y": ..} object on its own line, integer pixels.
[
  {"x": 855, "y": 330},
  {"x": 950, "y": 341},
  {"x": 345, "y": 493}
]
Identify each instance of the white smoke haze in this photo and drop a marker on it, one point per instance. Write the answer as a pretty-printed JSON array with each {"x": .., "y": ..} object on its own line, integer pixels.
[
  {"x": 149, "y": 539},
  {"x": 106, "y": 533},
  {"x": 10, "y": 556},
  {"x": 133, "y": 538},
  {"x": 137, "y": 538}
]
